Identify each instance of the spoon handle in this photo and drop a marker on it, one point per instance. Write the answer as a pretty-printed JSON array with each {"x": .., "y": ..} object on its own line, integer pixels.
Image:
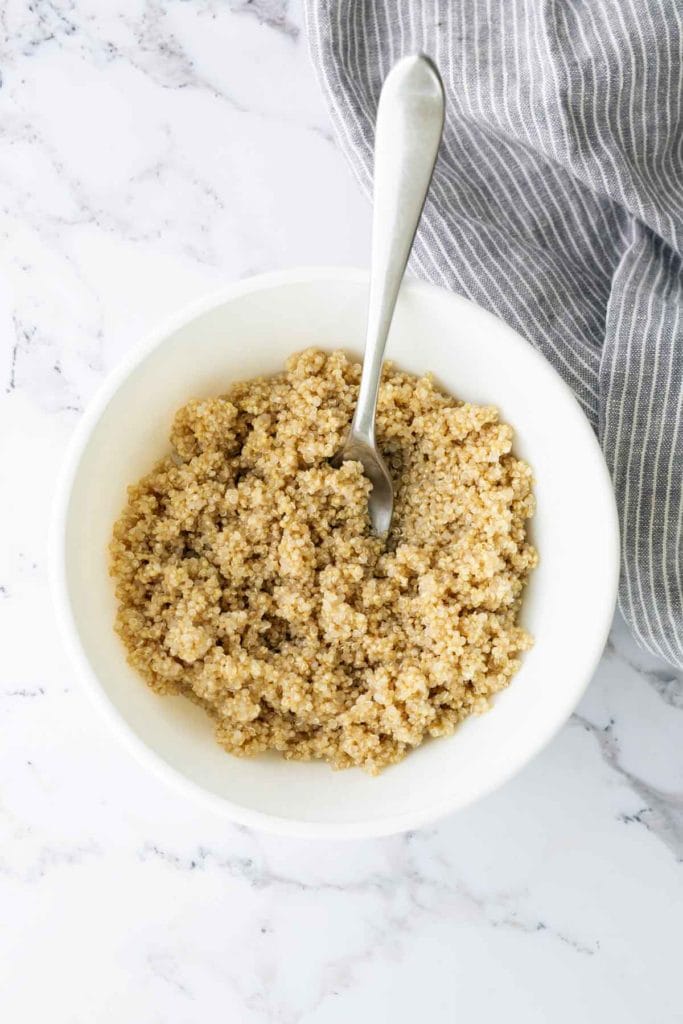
[{"x": 409, "y": 125}]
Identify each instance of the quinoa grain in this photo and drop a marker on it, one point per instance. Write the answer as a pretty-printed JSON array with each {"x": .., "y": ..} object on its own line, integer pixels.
[{"x": 247, "y": 578}]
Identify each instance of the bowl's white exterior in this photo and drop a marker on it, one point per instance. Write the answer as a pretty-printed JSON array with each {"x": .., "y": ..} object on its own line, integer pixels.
[{"x": 248, "y": 329}]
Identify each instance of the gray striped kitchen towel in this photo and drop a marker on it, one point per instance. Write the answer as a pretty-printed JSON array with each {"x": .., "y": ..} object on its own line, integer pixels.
[{"x": 557, "y": 203}]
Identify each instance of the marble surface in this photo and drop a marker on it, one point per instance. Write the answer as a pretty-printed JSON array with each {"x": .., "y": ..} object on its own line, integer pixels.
[{"x": 148, "y": 152}]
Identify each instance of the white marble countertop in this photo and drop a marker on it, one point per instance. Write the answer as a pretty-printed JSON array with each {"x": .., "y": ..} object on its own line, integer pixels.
[{"x": 148, "y": 154}]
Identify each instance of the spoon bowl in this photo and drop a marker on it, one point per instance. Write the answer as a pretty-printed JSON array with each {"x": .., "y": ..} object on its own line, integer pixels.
[{"x": 381, "y": 496}]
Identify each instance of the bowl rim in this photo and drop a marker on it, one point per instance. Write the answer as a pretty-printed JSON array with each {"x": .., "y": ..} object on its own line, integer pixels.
[{"x": 68, "y": 629}]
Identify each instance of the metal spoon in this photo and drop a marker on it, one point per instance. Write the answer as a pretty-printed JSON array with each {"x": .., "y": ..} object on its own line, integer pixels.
[{"x": 408, "y": 132}]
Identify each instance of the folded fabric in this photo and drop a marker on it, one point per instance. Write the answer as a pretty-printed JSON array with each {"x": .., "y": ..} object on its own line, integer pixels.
[{"x": 557, "y": 203}]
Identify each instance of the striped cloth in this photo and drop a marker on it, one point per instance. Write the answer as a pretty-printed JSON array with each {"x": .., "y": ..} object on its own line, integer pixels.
[{"x": 557, "y": 203}]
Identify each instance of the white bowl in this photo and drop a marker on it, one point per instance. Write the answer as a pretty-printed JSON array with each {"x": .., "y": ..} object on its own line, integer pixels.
[{"x": 249, "y": 329}]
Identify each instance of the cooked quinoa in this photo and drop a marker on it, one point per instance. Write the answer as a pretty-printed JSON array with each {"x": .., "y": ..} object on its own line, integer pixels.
[{"x": 248, "y": 580}]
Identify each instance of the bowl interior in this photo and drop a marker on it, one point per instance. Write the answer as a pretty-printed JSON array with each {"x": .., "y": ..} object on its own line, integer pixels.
[{"x": 568, "y": 604}]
